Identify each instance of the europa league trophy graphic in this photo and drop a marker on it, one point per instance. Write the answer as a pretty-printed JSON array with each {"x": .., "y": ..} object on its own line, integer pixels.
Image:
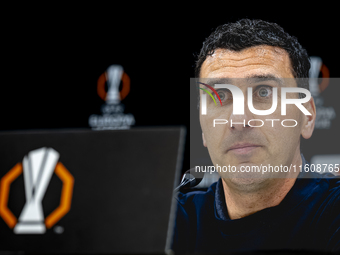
[
  {"x": 113, "y": 116},
  {"x": 314, "y": 71},
  {"x": 114, "y": 74},
  {"x": 324, "y": 114},
  {"x": 38, "y": 167}
]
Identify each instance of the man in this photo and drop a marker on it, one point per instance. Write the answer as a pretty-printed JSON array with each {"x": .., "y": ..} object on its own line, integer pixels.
[{"x": 250, "y": 211}]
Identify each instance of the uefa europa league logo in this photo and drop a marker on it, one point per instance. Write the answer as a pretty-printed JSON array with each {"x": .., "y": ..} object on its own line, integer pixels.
[
  {"x": 38, "y": 167},
  {"x": 118, "y": 87}
]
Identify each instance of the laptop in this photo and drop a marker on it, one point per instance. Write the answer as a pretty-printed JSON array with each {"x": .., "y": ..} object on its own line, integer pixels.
[{"x": 83, "y": 191}]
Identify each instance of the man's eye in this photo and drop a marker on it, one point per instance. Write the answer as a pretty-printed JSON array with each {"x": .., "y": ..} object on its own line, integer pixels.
[
  {"x": 223, "y": 94},
  {"x": 263, "y": 92}
]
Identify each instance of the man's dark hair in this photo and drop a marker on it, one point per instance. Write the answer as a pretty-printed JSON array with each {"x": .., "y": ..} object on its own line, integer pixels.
[{"x": 247, "y": 33}]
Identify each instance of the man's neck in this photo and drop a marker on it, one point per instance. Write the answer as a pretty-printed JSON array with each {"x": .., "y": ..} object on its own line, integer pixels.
[{"x": 242, "y": 204}]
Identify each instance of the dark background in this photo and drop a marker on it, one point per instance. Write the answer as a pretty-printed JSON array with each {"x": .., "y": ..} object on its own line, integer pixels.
[{"x": 52, "y": 59}]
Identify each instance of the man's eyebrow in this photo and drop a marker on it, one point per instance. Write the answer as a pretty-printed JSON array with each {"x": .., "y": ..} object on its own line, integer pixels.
[
  {"x": 250, "y": 79},
  {"x": 265, "y": 77},
  {"x": 213, "y": 81}
]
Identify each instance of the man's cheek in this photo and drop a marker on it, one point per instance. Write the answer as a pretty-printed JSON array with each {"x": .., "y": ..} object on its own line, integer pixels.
[
  {"x": 293, "y": 112},
  {"x": 207, "y": 122}
]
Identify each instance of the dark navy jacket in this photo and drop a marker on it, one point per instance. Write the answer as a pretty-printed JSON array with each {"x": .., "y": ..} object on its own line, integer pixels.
[{"x": 308, "y": 219}]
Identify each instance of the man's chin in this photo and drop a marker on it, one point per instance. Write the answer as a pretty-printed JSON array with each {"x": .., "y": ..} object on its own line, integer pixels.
[
  {"x": 245, "y": 184},
  {"x": 246, "y": 181}
]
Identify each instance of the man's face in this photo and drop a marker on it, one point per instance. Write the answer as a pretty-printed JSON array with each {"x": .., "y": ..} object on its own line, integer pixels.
[{"x": 242, "y": 146}]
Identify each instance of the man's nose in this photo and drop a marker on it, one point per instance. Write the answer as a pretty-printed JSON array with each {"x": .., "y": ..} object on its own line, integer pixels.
[{"x": 240, "y": 121}]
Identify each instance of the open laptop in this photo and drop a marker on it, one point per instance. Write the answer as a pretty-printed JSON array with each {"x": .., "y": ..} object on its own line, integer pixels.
[{"x": 83, "y": 191}]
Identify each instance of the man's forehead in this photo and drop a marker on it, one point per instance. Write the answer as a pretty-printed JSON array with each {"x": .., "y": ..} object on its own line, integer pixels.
[{"x": 248, "y": 62}]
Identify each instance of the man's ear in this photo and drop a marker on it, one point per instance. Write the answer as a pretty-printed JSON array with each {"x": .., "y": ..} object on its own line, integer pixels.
[
  {"x": 204, "y": 142},
  {"x": 309, "y": 120}
]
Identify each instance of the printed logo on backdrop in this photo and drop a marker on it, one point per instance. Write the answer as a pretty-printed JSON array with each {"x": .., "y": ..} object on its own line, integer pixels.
[
  {"x": 113, "y": 116},
  {"x": 324, "y": 115},
  {"x": 37, "y": 168}
]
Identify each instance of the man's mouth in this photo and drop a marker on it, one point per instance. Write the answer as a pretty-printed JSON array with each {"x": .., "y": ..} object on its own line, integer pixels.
[{"x": 243, "y": 148}]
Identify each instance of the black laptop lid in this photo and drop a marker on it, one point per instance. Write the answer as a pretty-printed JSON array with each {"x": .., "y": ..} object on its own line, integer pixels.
[{"x": 82, "y": 191}]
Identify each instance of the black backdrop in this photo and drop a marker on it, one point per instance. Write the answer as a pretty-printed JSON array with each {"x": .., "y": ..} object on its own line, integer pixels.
[{"x": 52, "y": 59}]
